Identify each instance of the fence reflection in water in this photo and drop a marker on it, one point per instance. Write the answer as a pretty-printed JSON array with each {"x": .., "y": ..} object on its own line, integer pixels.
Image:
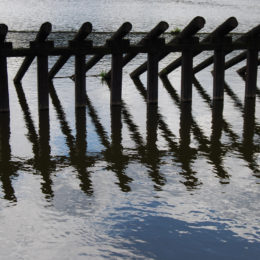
[{"x": 146, "y": 152}]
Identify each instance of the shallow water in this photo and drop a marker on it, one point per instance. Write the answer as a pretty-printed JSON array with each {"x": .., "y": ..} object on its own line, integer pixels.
[{"x": 136, "y": 182}]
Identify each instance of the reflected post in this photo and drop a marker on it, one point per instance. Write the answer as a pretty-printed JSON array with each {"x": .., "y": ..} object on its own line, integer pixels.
[
  {"x": 44, "y": 162},
  {"x": 6, "y": 167}
]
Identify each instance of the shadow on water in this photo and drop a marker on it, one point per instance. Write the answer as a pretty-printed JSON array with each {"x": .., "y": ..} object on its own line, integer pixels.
[
  {"x": 248, "y": 113},
  {"x": 8, "y": 168},
  {"x": 116, "y": 156},
  {"x": 182, "y": 152}
]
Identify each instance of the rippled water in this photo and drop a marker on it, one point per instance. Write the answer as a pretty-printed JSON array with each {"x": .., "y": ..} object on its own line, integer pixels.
[{"x": 136, "y": 182}]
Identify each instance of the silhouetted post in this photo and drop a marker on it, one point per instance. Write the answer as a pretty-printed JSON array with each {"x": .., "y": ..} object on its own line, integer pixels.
[
  {"x": 251, "y": 71},
  {"x": 187, "y": 72},
  {"x": 4, "y": 94},
  {"x": 117, "y": 69},
  {"x": 80, "y": 77},
  {"x": 41, "y": 47},
  {"x": 41, "y": 36},
  {"x": 191, "y": 29},
  {"x": 43, "y": 85},
  {"x": 186, "y": 76},
  {"x": 83, "y": 32},
  {"x": 154, "y": 47},
  {"x": 150, "y": 36},
  {"x": 219, "y": 67},
  {"x": 80, "y": 81}
]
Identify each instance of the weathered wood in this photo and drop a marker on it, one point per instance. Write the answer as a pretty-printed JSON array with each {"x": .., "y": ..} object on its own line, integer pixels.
[
  {"x": 41, "y": 36},
  {"x": 4, "y": 94},
  {"x": 42, "y": 82},
  {"x": 153, "y": 34},
  {"x": 219, "y": 32},
  {"x": 116, "y": 79},
  {"x": 154, "y": 45},
  {"x": 83, "y": 32},
  {"x": 152, "y": 78},
  {"x": 252, "y": 33},
  {"x": 230, "y": 63},
  {"x": 218, "y": 74},
  {"x": 192, "y": 28},
  {"x": 3, "y": 32},
  {"x": 80, "y": 81},
  {"x": 251, "y": 73},
  {"x": 186, "y": 75},
  {"x": 242, "y": 71},
  {"x": 119, "y": 34}
]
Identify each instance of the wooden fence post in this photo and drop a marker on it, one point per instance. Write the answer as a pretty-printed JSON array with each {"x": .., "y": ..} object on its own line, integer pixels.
[
  {"x": 41, "y": 36},
  {"x": 4, "y": 93},
  {"x": 118, "y": 47},
  {"x": 252, "y": 63},
  {"x": 187, "y": 72},
  {"x": 42, "y": 72},
  {"x": 83, "y": 32},
  {"x": 80, "y": 75},
  {"x": 154, "y": 47},
  {"x": 219, "y": 67}
]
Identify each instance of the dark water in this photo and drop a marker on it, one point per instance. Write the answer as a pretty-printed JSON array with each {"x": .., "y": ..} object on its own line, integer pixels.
[{"x": 137, "y": 182}]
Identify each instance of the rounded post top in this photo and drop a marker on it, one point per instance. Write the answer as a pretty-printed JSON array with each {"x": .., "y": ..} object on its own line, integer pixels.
[
  {"x": 44, "y": 31},
  {"x": 3, "y": 32},
  {"x": 84, "y": 31}
]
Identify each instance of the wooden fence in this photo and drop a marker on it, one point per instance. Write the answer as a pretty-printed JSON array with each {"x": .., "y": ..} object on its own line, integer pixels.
[{"x": 123, "y": 51}]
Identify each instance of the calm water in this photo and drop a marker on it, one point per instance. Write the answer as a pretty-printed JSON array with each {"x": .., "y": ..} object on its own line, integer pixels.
[{"x": 136, "y": 182}]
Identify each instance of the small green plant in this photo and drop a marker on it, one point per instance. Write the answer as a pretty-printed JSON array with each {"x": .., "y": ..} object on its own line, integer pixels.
[
  {"x": 102, "y": 75},
  {"x": 175, "y": 31}
]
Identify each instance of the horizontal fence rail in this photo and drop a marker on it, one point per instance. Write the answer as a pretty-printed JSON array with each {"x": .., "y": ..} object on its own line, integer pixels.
[{"x": 122, "y": 51}]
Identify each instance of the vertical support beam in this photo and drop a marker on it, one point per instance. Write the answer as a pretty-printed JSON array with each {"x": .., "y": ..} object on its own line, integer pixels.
[
  {"x": 80, "y": 81},
  {"x": 43, "y": 84},
  {"x": 219, "y": 73},
  {"x": 251, "y": 72},
  {"x": 186, "y": 75},
  {"x": 116, "y": 79},
  {"x": 4, "y": 94},
  {"x": 152, "y": 77}
]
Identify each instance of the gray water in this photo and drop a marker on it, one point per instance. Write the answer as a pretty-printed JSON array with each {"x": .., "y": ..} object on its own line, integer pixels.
[{"x": 136, "y": 182}]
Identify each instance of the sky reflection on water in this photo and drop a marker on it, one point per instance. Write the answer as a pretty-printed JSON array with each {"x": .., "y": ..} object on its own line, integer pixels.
[{"x": 136, "y": 182}]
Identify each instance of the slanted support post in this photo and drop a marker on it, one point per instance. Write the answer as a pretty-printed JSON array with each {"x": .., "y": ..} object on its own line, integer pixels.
[
  {"x": 152, "y": 68},
  {"x": 118, "y": 47},
  {"x": 251, "y": 70},
  {"x": 42, "y": 72},
  {"x": 80, "y": 74},
  {"x": 187, "y": 70},
  {"x": 219, "y": 67}
]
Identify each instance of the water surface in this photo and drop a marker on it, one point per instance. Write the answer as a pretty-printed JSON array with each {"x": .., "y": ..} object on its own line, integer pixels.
[{"x": 138, "y": 182}]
